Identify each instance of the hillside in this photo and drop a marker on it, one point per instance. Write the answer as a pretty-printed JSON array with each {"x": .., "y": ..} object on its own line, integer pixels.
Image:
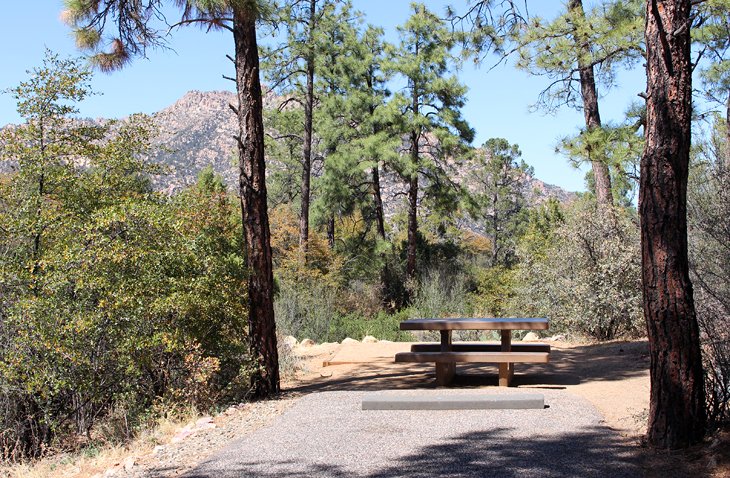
[{"x": 198, "y": 129}]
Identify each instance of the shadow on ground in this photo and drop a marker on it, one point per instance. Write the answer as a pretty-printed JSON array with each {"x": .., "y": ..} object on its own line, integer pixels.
[
  {"x": 590, "y": 453},
  {"x": 568, "y": 366}
]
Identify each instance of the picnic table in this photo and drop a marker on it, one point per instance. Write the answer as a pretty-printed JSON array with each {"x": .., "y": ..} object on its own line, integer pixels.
[{"x": 447, "y": 354}]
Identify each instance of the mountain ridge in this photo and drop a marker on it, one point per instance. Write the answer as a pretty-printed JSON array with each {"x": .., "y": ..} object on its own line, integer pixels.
[{"x": 198, "y": 131}]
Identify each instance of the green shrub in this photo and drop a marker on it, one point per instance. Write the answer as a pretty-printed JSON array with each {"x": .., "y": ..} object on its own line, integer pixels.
[
  {"x": 383, "y": 326},
  {"x": 587, "y": 277}
]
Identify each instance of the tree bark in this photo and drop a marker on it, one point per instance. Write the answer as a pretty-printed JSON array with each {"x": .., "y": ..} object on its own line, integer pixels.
[
  {"x": 378, "y": 199},
  {"x": 727, "y": 133},
  {"x": 677, "y": 414},
  {"x": 495, "y": 225},
  {"x": 261, "y": 325},
  {"x": 331, "y": 231},
  {"x": 412, "y": 225},
  {"x": 307, "y": 147},
  {"x": 413, "y": 190},
  {"x": 589, "y": 94}
]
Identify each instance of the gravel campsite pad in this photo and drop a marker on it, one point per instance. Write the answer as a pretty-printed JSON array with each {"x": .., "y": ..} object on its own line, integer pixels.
[{"x": 328, "y": 434}]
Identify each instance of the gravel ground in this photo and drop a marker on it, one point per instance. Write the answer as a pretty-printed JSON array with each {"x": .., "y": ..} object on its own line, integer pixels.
[
  {"x": 173, "y": 459},
  {"x": 327, "y": 434}
]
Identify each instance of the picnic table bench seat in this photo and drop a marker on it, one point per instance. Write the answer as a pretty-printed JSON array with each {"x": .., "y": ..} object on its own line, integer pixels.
[
  {"x": 446, "y": 354},
  {"x": 483, "y": 347},
  {"x": 473, "y": 357}
]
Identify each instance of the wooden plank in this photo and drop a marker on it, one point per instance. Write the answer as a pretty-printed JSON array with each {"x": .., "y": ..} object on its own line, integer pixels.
[
  {"x": 506, "y": 372},
  {"x": 473, "y": 357},
  {"x": 476, "y": 324},
  {"x": 445, "y": 372},
  {"x": 483, "y": 347}
]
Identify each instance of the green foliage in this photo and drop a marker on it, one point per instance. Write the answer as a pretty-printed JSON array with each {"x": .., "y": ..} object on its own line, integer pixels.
[
  {"x": 584, "y": 274},
  {"x": 607, "y": 36},
  {"x": 618, "y": 146},
  {"x": 114, "y": 297},
  {"x": 441, "y": 292},
  {"x": 429, "y": 108},
  {"x": 382, "y": 326},
  {"x": 307, "y": 295},
  {"x": 114, "y": 31},
  {"x": 283, "y": 145},
  {"x": 495, "y": 290},
  {"x": 352, "y": 121},
  {"x": 712, "y": 34},
  {"x": 498, "y": 200}
]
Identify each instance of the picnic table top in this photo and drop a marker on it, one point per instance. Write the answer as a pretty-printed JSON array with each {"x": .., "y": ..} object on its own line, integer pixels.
[{"x": 476, "y": 323}]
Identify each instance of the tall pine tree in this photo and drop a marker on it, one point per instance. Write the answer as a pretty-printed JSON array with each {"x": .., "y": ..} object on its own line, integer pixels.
[
  {"x": 577, "y": 51},
  {"x": 499, "y": 179},
  {"x": 676, "y": 408},
  {"x": 290, "y": 69},
  {"x": 428, "y": 109}
]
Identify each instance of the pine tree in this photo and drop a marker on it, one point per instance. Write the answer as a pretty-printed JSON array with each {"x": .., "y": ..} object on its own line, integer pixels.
[
  {"x": 290, "y": 69},
  {"x": 676, "y": 409},
  {"x": 576, "y": 51},
  {"x": 353, "y": 123},
  {"x": 115, "y": 31},
  {"x": 498, "y": 200},
  {"x": 712, "y": 36},
  {"x": 429, "y": 112},
  {"x": 569, "y": 50}
]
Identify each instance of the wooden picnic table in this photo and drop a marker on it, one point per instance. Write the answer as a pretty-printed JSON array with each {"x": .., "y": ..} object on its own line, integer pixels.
[{"x": 447, "y": 354}]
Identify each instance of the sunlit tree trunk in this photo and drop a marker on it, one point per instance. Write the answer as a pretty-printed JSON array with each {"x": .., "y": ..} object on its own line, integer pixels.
[
  {"x": 676, "y": 413},
  {"x": 262, "y": 328}
]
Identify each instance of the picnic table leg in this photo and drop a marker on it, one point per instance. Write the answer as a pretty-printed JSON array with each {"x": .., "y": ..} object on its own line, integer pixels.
[
  {"x": 445, "y": 371},
  {"x": 506, "y": 370}
]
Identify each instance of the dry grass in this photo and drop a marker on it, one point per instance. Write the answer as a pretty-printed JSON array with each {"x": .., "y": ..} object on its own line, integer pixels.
[{"x": 92, "y": 460}]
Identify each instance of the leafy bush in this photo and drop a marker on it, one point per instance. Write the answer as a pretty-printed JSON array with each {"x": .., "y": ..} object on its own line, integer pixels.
[
  {"x": 113, "y": 298},
  {"x": 383, "y": 326},
  {"x": 495, "y": 291},
  {"x": 442, "y": 292},
  {"x": 585, "y": 275}
]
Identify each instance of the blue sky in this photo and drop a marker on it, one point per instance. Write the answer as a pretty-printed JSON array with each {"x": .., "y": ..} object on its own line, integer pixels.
[{"x": 498, "y": 100}]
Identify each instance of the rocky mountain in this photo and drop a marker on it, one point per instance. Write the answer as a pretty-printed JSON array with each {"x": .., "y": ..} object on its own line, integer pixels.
[{"x": 198, "y": 131}]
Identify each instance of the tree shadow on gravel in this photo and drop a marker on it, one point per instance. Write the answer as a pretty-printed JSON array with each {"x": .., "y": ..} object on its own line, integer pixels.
[
  {"x": 593, "y": 452},
  {"x": 569, "y": 366}
]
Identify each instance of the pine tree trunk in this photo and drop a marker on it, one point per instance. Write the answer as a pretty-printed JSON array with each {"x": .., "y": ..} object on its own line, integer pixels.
[
  {"x": 413, "y": 191},
  {"x": 412, "y": 226},
  {"x": 676, "y": 414},
  {"x": 331, "y": 231},
  {"x": 592, "y": 116},
  {"x": 727, "y": 132},
  {"x": 495, "y": 227},
  {"x": 307, "y": 148},
  {"x": 378, "y": 199},
  {"x": 261, "y": 325}
]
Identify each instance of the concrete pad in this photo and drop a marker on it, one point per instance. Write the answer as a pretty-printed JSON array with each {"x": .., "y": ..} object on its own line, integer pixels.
[{"x": 450, "y": 401}]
